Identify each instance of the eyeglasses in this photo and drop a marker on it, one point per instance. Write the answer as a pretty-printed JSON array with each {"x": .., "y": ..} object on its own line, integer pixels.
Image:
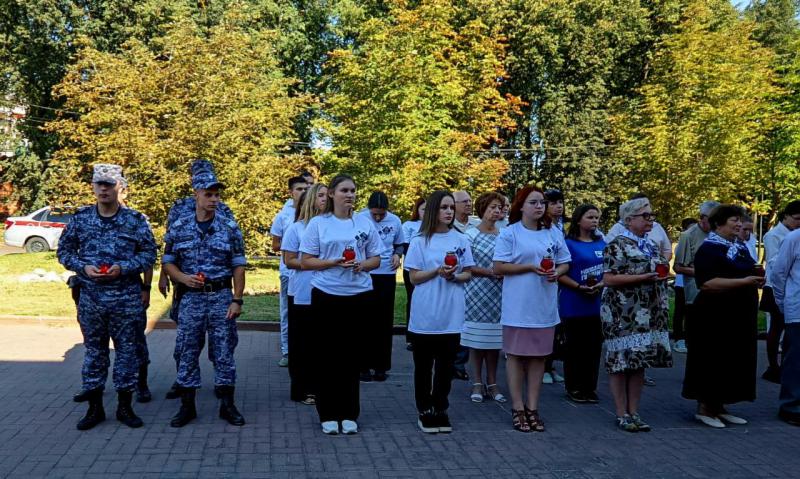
[
  {"x": 646, "y": 216},
  {"x": 537, "y": 202}
]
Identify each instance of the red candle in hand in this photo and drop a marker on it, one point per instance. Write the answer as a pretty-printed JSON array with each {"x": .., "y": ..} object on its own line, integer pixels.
[
  {"x": 591, "y": 281},
  {"x": 201, "y": 276},
  {"x": 349, "y": 254},
  {"x": 450, "y": 259},
  {"x": 758, "y": 270},
  {"x": 104, "y": 268},
  {"x": 662, "y": 269},
  {"x": 547, "y": 263}
]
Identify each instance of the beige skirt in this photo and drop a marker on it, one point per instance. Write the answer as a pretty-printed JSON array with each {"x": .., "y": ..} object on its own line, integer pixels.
[{"x": 528, "y": 341}]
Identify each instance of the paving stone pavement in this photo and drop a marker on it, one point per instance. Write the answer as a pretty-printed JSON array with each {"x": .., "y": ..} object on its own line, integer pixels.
[{"x": 40, "y": 369}]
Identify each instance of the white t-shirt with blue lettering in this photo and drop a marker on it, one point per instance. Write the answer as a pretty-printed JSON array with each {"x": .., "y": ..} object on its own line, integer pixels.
[
  {"x": 299, "y": 280},
  {"x": 529, "y": 300},
  {"x": 410, "y": 229},
  {"x": 437, "y": 306},
  {"x": 326, "y": 237},
  {"x": 391, "y": 233}
]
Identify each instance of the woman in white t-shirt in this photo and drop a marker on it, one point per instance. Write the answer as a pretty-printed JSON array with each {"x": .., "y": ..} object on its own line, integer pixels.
[
  {"x": 411, "y": 229},
  {"x": 439, "y": 261},
  {"x": 377, "y": 350},
  {"x": 529, "y": 310},
  {"x": 341, "y": 249},
  {"x": 302, "y": 336}
]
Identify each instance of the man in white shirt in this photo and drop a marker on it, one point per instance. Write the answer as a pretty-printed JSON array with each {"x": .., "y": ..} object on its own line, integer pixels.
[
  {"x": 790, "y": 220},
  {"x": 785, "y": 278},
  {"x": 463, "y": 221},
  {"x": 282, "y": 221}
]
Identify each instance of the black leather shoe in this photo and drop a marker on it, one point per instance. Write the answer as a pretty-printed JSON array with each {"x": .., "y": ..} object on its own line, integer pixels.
[
  {"x": 772, "y": 375},
  {"x": 380, "y": 376},
  {"x": 365, "y": 377},
  {"x": 460, "y": 374},
  {"x": 187, "y": 412},
  {"x": 227, "y": 409},
  {"x": 125, "y": 413},
  {"x": 142, "y": 390},
  {"x": 174, "y": 391},
  {"x": 96, "y": 414}
]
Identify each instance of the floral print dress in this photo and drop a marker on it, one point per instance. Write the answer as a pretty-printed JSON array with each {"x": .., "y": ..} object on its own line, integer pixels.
[{"x": 635, "y": 318}]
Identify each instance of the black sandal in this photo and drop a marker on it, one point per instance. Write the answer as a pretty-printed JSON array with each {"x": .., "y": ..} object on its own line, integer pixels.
[
  {"x": 534, "y": 421},
  {"x": 519, "y": 421}
]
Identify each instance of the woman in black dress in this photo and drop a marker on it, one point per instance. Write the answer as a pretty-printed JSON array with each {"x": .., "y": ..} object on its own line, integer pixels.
[{"x": 721, "y": 337}]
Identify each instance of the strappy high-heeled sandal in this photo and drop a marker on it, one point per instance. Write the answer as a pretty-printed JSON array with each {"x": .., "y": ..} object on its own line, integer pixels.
[
  {"x": 477, "y": 392},
  {"x": 519, "y": 421},
  {"x": 534, "y": 421},
  {"x": 492, "y": 392}
]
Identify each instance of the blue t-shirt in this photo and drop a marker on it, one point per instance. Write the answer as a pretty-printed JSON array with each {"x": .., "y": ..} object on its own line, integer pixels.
[{"x": 587, "y": 262}]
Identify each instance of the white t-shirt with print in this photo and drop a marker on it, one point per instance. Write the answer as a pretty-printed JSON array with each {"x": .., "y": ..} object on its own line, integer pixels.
[
  {"x": 410, "y": 229},
  {"x": 327, "y": 237},
  {"x": 280, "y": 224},
  {"x": 390, "y": 230},
  {"x": 529, "y": 300},
  {"x": 299, "y": 280},
  {"x": 437, "y": 306}
]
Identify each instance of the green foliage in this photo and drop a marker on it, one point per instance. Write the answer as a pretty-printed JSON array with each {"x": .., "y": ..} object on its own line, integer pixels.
[
  {"x": 217, "y": 93},
  {"x": 412, "y": 101},
  {"x": 692, "y": 133}
]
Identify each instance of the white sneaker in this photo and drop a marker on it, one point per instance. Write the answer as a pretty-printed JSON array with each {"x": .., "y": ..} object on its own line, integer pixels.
[
  {"x": 547, "y": 378},
  {"x": 330, "y": 427},
  {"x": 349, "y": 427},
  {"x": 731, "y": 419},
  {"x": 710, "y": 421},
  {"x": 557, "y": 377},
  {"x": 679, "y": 346}
]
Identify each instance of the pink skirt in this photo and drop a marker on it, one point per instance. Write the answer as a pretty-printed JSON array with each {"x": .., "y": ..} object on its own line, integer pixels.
[{"x": 528, "y": 341}]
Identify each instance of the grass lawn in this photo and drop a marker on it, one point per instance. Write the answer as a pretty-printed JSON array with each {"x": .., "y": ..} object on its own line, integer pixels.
[{"x": 53, "y": 299}]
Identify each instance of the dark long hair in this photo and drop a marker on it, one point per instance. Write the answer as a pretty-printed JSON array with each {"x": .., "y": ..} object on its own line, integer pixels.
[
  {"x": 515, "y": 213},
  {"x": 415, "y": 212},
  {"x": 431, "y": 218},
  {"x": 574, "y": 230},
  {"x": 336, "y": 181}
]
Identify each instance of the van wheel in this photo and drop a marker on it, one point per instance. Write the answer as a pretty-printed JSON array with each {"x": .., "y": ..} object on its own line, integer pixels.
[{"x": 36, "y": 245}]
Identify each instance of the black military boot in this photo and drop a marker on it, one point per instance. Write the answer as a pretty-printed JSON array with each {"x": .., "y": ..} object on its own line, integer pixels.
[
  {"x": 125, "y": 413},
  {"x": 81, "y": 396},
  {"x": 174, "y": 392},
  {"x": 96, "y": 414},
  {"x": 142, "y": 391},
  {"x": 187, "y": 412},
  {"x": 227, "y": 410}
]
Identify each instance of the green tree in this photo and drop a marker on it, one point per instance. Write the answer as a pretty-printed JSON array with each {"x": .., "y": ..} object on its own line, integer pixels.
[
  {"x": 412, "y": 101},
  {"x": 693, "y": 131},
  {"x": 218, "y": 93}
]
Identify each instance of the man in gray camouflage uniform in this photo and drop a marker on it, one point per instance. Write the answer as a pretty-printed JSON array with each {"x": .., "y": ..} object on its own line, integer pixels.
[
  {"x": 204, "y": 257},
  {"x": 108, "y": 246}
]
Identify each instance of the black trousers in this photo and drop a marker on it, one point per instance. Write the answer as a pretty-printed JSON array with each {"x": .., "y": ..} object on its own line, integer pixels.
[
  {"x": 678, "y": 329},
  {"x": 582, "y": 348},
  {"x": 303, "y": 345},
  {"x": 434, "y": 358},
  {"x": 377, "y": 339},
  {"x": 339, "y": 320},
  {"x": 409, "y": 293}
]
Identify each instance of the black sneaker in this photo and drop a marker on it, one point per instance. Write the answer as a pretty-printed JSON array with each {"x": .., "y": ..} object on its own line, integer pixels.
[
  {"x": 772, "y": 375},
  {"x": 443, "y": 421},
  {"x": 576, "y": 396},
  {"x": 365, "y": 377},
  {"x": 380, "y": 376},
  {"x": 427, "y": 422},
  {"x": 789, "y": 418}
]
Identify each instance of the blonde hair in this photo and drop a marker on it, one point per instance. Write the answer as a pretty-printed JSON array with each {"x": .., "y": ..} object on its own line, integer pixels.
[{"x": 308, "y": 204}]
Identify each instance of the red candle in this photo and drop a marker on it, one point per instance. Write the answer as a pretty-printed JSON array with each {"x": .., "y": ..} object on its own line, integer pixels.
[
  {"x": 758, "y": 270},
  {"x": 201, "y": 276},
  {"x": 349, "y": 254},
  {"x": 104, "y": 268},
  {"x": 450, "y": 259},
  {"x": 547, "y": 263},
  {"x": 591, "y": 281},
  {"x": 662, "y": 269}
]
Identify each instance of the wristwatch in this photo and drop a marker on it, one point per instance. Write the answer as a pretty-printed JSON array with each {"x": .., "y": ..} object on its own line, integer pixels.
[{"x": 240, "y": 302}]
